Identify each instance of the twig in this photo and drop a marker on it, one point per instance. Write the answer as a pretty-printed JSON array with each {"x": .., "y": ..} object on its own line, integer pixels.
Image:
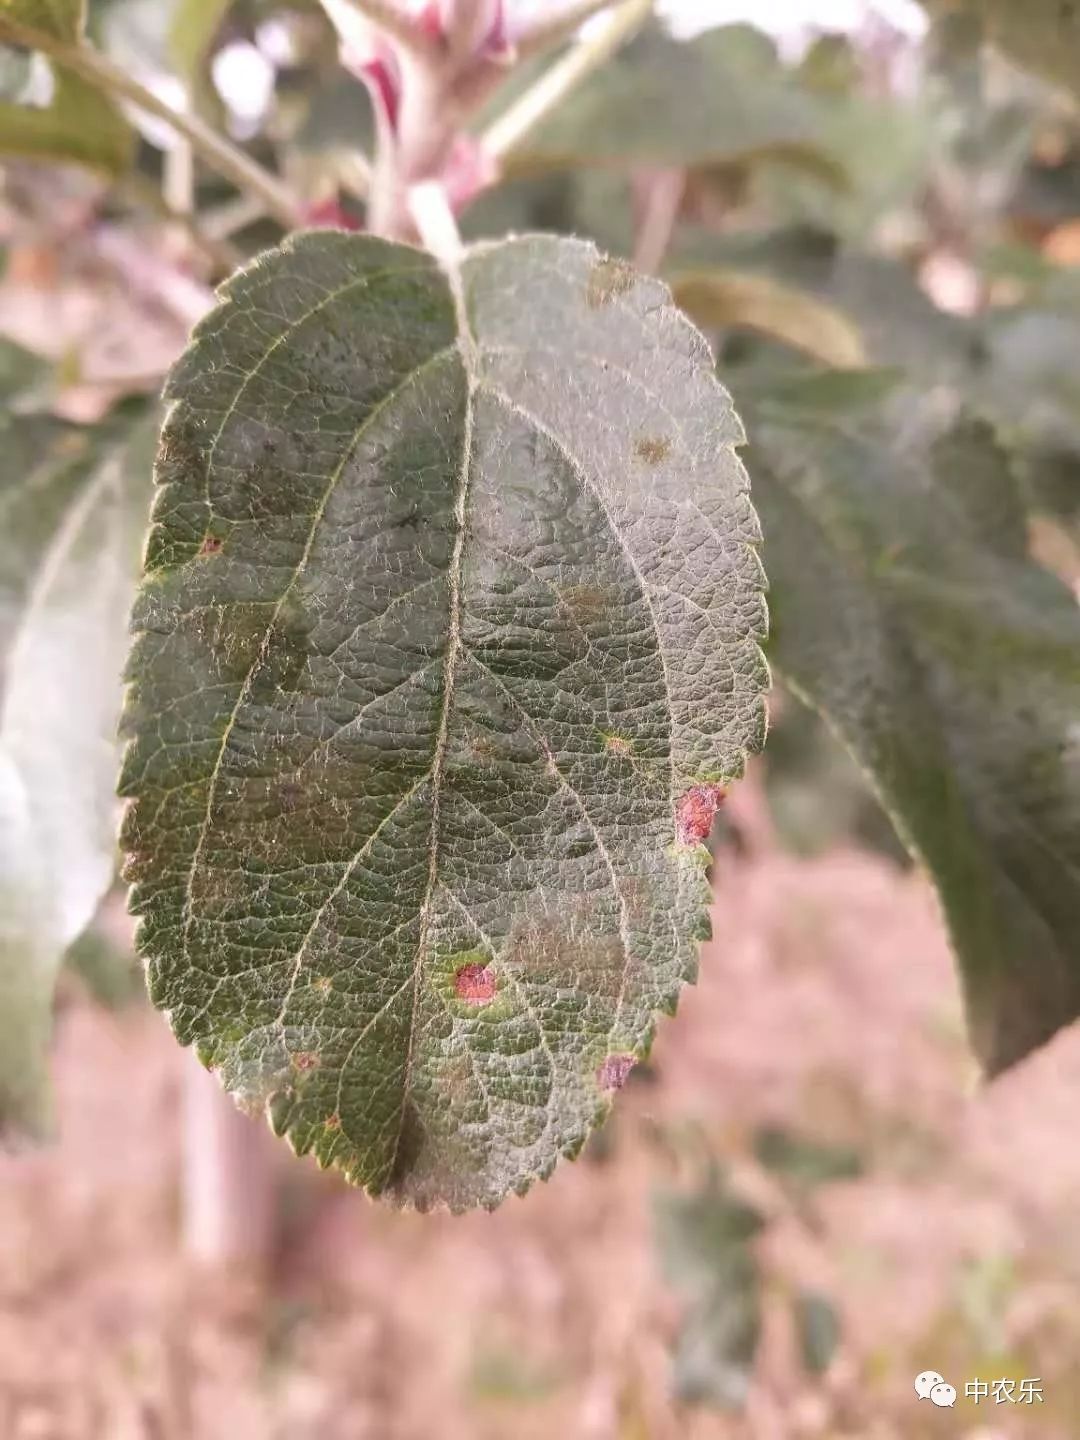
[
  {"x": 433, "y": 217},
  {"x": 218, "y": 152},
  {"x": 389, "y": 17},
  {"x": 555, "y": 84},
  {"x": 549, "y": 30},
  {"x": 661, "y": 194}
]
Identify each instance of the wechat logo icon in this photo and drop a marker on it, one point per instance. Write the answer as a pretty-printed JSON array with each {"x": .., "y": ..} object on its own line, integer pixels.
[{"x": 933, "y": 1387}]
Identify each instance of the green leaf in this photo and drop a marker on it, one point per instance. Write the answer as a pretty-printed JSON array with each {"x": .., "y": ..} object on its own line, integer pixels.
[
  {"x": 897, "y": 322},
  {"x": 108, "y": 970},
  {"x": 451, "y": 598},
  {"x": 192, "y": 31},
  {"x": 805, "y": 1163},
  {"x": 908, "y": 612},
  {"x": 58, "y": 19},
  {"x": 1042, "y": 35},
  {"x": 67, "y": 575},
  {"x": 668, "y": 102},
  {"x": 704, "y": 1242},
  {"x": 723, "y": 299},
  {"x": 79, "y": 124},
  {"x": 818, "y": 1327}
]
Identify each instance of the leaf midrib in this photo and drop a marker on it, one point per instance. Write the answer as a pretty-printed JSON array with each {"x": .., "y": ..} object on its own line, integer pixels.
[{"x": 466, "y": 348}]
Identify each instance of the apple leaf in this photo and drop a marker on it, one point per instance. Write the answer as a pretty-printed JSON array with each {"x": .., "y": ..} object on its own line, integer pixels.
[
  {"x": 78, "y": 123},
  {"x": 447, "y": 641},
  {"x": 908, "y": 611},
  {"x": 74, "y": 503}
]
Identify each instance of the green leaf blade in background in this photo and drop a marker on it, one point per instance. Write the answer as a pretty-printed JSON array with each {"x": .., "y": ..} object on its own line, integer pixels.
[
  {"x": 451, "y": 596},
  {"x": 1042, "y": 36},
  {"x": 56, "y": 19},
  {"x": 908, "y": 612},
  {"x": 73, "y": 525},
  {"x": 79, "y": 124}
]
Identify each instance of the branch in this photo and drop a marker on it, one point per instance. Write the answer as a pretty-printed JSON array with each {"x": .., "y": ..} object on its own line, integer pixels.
[
  {"x": 549, "y": 30},
  {"x": 218, "y": 152},
  {"x": 555, "y": 84}
]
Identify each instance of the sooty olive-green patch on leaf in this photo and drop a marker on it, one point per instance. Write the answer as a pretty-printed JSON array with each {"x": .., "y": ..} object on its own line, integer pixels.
[
  {"x": 949, "y": 663},
  {"x": 375, "y": 817}
]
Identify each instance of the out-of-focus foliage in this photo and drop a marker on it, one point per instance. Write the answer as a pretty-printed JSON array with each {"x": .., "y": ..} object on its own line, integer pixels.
[
  {"x": 74, "y": 505},
  {"x": 72, "y": 120}
]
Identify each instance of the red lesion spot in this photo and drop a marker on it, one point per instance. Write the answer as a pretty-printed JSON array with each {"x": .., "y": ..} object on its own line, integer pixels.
[
  {"x": 211, "y": 545},
  {"x": 475, "y": 984},
  {"x": 333, "y": 1122},
  {"x": 305, "y": 1060},
  {"x": 613, "y": 1072},
  {"x": 695, "y": 813}
]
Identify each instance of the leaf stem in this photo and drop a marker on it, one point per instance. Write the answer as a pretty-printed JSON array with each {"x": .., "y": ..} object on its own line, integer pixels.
[
  {"x": 555, "y": 84},
  {"x": 218, "y": 152},
  {"x": 429, "y": 206},
  {"x": 549, "y": 30}
]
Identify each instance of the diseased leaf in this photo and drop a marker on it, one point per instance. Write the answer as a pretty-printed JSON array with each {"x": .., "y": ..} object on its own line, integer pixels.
[
  {"x": 908, "y": 611},
  {"x": 451, "y": 600},
  {"x": 68, "y": 563}
]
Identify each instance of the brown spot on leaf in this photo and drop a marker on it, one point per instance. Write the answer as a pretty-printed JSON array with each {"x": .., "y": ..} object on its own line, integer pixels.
[
  {"x": 475, "y": 984},
  {"x": 323, "y": 984},
  {"x": 652, "y": 449},
  {"x": 608, "y": 279},
  {"x": 583, "y": 602},
  {"x": 612, "y": 1074},
  {"x": 617, "y": 745},
  {"x": 211, "y": 545},
  {"x": 333, "y": 1122},
  {"x": 305, "y": 1060},
  {"x": 695, "y": 813}
]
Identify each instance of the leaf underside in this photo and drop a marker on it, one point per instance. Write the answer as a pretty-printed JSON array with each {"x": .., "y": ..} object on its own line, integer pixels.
[
  {"x": 908, "y": 611},
  {"x": 452, "y": 592}
]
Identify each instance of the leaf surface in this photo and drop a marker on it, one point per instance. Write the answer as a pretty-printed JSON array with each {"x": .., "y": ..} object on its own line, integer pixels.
[
  {"x": 72, "y": 504},
  {"x": 451, "y": 597},
  {"x": 907, "y": 610}
]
